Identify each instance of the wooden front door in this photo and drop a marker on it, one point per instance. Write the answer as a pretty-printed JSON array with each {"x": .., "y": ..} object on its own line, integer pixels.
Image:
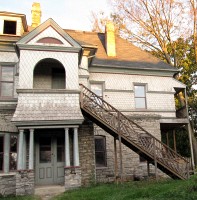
[{"x": 50, "y": 160}]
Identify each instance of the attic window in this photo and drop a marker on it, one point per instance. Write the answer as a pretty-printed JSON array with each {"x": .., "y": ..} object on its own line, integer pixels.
[
  {"x": 9, "y": 27},
  {"x": 49, "y": 40}
]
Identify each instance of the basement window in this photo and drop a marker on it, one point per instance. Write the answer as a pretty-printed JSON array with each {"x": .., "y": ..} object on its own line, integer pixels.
[
  {"x": 100, "y": 151},
  {"x": 9, "y": 27}
]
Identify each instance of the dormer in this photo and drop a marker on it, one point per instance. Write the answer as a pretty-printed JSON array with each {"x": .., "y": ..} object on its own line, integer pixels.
[{"x": 12, "y": 24}]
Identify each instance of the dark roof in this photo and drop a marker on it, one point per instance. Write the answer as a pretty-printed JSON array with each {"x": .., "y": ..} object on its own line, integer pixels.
[{"x": 127, "y": 54}]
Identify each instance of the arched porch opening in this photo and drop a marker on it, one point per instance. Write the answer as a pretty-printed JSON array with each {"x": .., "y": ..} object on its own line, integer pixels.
[{"x": 49, "y": 74}]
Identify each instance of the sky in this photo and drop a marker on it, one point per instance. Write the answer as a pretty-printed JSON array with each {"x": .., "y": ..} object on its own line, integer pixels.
[{"x": 69, "y": 14}]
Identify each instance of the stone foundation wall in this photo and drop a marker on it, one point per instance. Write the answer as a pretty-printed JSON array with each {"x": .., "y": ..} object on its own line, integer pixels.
[
  {"x": 18, "y": 183},
  {"x": 7, "y": 184},
  {"x": 86, "y": 153},
  {"x": 72, "y": 177},
  {"x": 25, "y": 182}
]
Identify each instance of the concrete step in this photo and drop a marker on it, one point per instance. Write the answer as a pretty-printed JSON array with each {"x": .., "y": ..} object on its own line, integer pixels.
[{"x": 49, "y": 191}]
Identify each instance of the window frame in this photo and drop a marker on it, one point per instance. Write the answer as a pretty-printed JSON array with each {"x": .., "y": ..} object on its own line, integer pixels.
[
  {"x": 104, "y": 151},
  {"x": 3, "y": 81},
  {"x": 138, "y": 97}
]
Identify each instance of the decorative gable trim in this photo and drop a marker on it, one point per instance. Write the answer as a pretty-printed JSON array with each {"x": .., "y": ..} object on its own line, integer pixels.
[
  {"x": 48, "y": 48},
  {"x": 49, "y": 23}
]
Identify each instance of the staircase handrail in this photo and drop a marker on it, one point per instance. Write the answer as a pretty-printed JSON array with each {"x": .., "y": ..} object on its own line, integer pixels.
[{"x": 164, "y": 154}]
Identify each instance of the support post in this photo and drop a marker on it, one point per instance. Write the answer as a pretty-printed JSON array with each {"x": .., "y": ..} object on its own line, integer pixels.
[
  {"x": 167, "y": 138},
  {"x": 174, "y": 140},
  {"x": 76, "y": 147},
  {"x": 148, "y": 168},
  {"x": 67, "y": 148},
  {"x": 191, "y": 144},
  {"x": 6, "y": 159},
  {"x": 31, "y": 149},
  {"x": 121, "y": 167},
  {"x": 120, "y": 149},
  {"x": 115, "y": 159},
  {"x": 155, "y": 160},
  {"x": 20, "y": 150}
]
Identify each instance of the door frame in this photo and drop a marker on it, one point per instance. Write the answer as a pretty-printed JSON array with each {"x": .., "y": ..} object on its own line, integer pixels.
[{"x": 57, "y": 167}]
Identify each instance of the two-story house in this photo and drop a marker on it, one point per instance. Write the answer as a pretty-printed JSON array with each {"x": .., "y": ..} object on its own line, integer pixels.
[{"x": 80, "y": 106}]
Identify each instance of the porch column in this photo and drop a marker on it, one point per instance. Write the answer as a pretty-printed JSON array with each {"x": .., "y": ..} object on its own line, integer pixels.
[
  {"x": 31, "y": 149},
  {"x": 67, "y": 148},
  {"x": 6, "y": 159},
  {"x": 24, "y": 151},
  {"x": 76, "y": 148},
  {"x": 20, "y": 150}
]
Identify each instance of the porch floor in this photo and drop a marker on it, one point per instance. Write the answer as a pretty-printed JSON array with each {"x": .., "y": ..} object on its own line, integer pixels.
[{"x": 49, "y": 191}]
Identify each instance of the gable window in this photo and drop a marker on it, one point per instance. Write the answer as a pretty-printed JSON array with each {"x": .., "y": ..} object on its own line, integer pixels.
[
  {"x": 100, "y": 151},
  {"x": 9, "y": 27},
  {"x": 140, "y": 96},
  {"x": 6, "y": 81}
]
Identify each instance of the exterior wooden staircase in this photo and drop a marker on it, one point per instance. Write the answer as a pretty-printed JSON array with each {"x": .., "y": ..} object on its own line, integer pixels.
[{"x": 132, "y": 135}]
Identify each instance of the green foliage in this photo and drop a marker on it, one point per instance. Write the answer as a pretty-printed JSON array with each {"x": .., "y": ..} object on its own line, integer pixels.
[
  {"x": 143, "y": 190},
  {"x": 182, "y": 141}
]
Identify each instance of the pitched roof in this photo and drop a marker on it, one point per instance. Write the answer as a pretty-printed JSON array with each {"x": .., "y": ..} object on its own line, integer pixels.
[{"x": 127, "y": 54}]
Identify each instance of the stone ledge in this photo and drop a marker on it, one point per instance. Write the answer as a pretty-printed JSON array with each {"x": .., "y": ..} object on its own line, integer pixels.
[{"x": 7, "y": 174}]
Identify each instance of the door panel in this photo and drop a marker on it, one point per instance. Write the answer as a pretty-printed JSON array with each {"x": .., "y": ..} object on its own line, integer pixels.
[{"x": 59, "y": 160}]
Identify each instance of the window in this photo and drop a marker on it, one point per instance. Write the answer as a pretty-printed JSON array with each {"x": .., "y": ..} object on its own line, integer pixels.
[
  {"x": 1, "y": 153},
  {"x": 7, "y": 81},
  {"x": 12, "y": 151},
  {"x": 140, "y": 96},
  {"x": 9, "y": 27},
  {"x": 97, "y": 89},
  {"x": 100, "y": 151}
]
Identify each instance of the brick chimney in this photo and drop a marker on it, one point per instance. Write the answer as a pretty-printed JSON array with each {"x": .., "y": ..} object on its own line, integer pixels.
[
  {"x": 35, "y": 14},
  {"x": 110, "y": 42}
]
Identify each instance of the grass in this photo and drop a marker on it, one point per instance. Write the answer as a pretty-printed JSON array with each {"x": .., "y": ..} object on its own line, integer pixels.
[{"x": 143, "y": 190}]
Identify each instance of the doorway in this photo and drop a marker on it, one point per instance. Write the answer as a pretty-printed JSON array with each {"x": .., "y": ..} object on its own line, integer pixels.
[{"x": 50, "y": 159}]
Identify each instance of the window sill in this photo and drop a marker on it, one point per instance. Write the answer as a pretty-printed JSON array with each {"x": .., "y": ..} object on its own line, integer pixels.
[
  {"x": 7, "y": 174},
  {"x": 8, "y": 99}
]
